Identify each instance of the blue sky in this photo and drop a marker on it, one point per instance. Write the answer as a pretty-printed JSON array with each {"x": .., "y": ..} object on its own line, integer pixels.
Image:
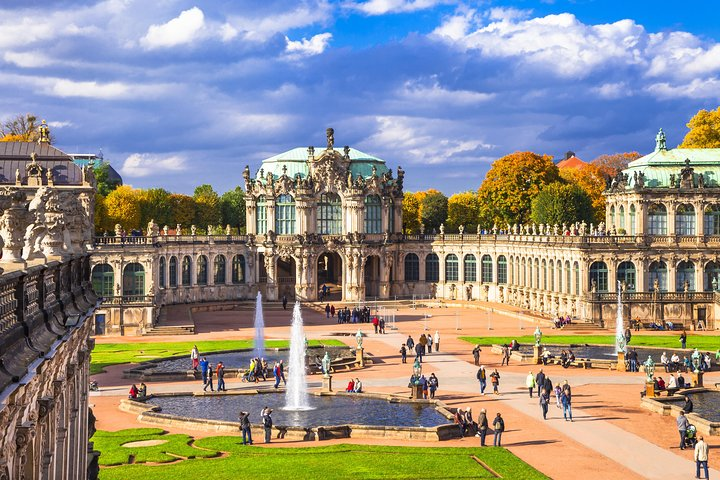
[{"x": 177, "y": 92}]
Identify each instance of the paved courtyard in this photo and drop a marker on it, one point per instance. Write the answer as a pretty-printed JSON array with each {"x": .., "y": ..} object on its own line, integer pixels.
[{"x": 612, "y": 436}]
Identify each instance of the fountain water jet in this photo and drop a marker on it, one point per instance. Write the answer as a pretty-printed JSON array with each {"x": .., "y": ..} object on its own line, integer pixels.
[
  {"x": 296, "y": 396},
  {"x": 259, "y": 328}
]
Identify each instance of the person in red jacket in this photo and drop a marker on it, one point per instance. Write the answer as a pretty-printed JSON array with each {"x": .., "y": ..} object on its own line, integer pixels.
[
  {"x": 133, "y": 392},
  {"x": 351, "y": 386}
]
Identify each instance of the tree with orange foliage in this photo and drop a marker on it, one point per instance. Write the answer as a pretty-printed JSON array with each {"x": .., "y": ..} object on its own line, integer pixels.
[
  {"x": 591, "y": 179},
  {"x": 611, "y": 164}
]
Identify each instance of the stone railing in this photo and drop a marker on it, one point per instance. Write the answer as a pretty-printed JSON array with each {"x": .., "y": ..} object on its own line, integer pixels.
[
  {"x": 659, "y": 297},
  {"x": 129, "y": 300}
]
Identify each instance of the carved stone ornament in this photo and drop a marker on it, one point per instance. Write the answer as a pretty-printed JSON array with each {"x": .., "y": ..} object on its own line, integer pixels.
[
  {"x": 45, "y": 406},
  {"x": 12, "y": 228},
  {"x": 23, "y": 436}
]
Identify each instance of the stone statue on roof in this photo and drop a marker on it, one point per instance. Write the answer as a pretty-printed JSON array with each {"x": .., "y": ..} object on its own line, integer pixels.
[
  {"x": 660, "y": 141},
  {"x": 330, "y": 138},
  {"x": 44, "y": 131}
]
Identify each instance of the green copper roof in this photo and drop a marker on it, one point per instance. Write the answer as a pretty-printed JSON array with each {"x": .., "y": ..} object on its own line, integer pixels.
[
  {"x": 660, "y": 164},
  {"x": 295, "y": 161}
]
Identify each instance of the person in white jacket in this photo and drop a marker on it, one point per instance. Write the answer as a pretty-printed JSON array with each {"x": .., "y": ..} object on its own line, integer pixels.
[
  {"x": 701, "y": 457},
  {"x": 437, "y": 340}
]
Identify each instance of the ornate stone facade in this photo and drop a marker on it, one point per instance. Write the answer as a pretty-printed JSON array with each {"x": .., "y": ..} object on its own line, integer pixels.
[
  {"x": 46, "y": 302},
  {"x": 335, "y": 218}
]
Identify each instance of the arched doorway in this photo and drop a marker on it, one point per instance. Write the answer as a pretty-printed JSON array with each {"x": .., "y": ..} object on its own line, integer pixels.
[
  {"x": 372, "y": 276},
  {"x": 329, "y": 274},
  {"x": 286, "y": 277}
]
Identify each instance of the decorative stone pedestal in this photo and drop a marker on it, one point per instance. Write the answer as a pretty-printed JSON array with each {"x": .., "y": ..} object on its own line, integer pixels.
[
  {"x": 696, "y": 379},
  {"x": 327, "y": 383},
  {"x": 649, "y": 389},
  {"x": 359, "y": 356},
  {"x": 537, "y": 354},
  {"x": 416, "y": 392},
  {"x": 621, "y": 362}
]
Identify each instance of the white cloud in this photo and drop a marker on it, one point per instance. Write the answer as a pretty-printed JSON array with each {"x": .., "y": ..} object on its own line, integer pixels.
[
  {"x": 179, "y": 31},
  {"x": 32, "y": 59},
  {"x": 261, "y": 27},
  {"x": 613, "y": 90},
  {"x": 417, "y": 91},
  {"x": 60, "y": 124},
  {"x": 307, "y": 48},
  {"x": 422, "y": 140},
  {"x": 381, "y": 7},
  {"x": 695, "y": 89},
  {"x": 145, "y": 164}
]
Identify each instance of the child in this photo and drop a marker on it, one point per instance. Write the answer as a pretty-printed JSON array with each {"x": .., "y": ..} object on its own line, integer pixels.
[
  {"x": 403, "y": 353},
  {"x": 558, "y": 394}
]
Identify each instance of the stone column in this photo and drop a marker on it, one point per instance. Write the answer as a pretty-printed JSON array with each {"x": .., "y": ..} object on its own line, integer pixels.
[
  {"x": 250, "y": 214},
  {"x": 641, "y": 280},
  {"x": 670, "y": 208},
  {"x": 271, "y": 214},
  {"x": 671, "y": 275}
]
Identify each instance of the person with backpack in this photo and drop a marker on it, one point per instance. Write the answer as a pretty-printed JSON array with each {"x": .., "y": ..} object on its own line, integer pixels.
[
  {"x": 209, "y": 382},
  {"x": 499, "y": 426},
  {"x": 267, "y": 423},
  {"x": 433, "y": 384},
  {"x": 544, "y": 401},
  {"x": 495, "y": 380}
]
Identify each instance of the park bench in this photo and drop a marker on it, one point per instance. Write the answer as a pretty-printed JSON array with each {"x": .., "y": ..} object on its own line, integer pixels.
[{"x": 582, "y": 362}]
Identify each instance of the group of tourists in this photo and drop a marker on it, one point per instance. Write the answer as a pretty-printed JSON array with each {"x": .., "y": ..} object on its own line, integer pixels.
[
  {"x": 354, "y": 386},
  {"x": 560, "y": 321},
  {"x": 246, "y": 427},
  {"x": 563, "y": 394},
  {"x": 423, "y": 346},
  {"x": 356, "y": 315},
  {"x": 137, "y": 392}
]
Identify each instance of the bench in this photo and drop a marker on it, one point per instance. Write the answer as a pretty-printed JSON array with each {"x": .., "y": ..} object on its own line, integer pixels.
[{"x": 584, "y": 363}]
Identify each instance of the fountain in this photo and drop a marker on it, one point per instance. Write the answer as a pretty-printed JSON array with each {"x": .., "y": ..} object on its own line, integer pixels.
[
  {"x": 259, "y": 328},
  {"x": 296, "y": 396},
  {"x": 619, "y": 331}
]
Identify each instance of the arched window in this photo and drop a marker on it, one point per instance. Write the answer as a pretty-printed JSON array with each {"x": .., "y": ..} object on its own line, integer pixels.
[
  {"x": 568, "y": 278},
  {"x": 712, "y": 220},
  {"x": 523, "y": 269},
  {"x": 329, "y": 214},
  {"x": 657, "y": 219},
  {"x": 712, "y": 276},
  {"x": 487, "y": 269},
  {"x": 133, "y": 280},
  {"x": 186, "y": 264},
  {"x": 219, "y": 269},
  {"x": 285, "y": 215},
  {"x": 685, "y": 220},
  {"x": 544, "y": 274},
  {"x": 621, "y": 217},
  {"x": 559, "y": 265},
  {"x": 373, "y": 214},
  {"x": 412, "y": 268},
  {"x": 627, "y": 275},
  {"x": 685, "y": 272},
  {"x": 161, "y": 273},
  {"x": 512, "y": 270},
  {"x": 551, "y": 272},
  {"x": 172, "y": 272},
  {"x": 633, "y": 228},
  {"x": 238, "y": 269},
  {"x": 657, "y": 277},
  {"x": 432, "y": 268},
  {"x": 470, "y": 267},
  {"x": 502, "y": 269},
  {"x": 536, "y": 283},
  {"x": 103, "y": 280},
  {"x": 260, "y": 216},
  {"x": 451, "y": 268},
  {"x": 612, "y": 216},
  {"x": 391, "y": 219},
  {"x": 202, "y": 270},
  {"x": 599, "y": 276},
  {"x": 576, "y": 272}
]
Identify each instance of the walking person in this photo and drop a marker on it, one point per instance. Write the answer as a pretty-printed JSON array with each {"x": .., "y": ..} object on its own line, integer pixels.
[
  {"x": 429, "y": 344},
  {"x": 544, "y": 401},
  {"x": 403, "y": 353},
  {"x": 221, "y": 377},
  {"x": 327, "y": 310},
  {"x": 683, "y": 339},
  {"x": 499, "y": 426},
  {"x": 482, "y": 426},
  {"x": 482, "y": 378},
  {"x": 495, "y": 380},
  {"x": 566, "y": 399},
  {"x": 701, "y": 457},
  {"x": 245, "y": 428},
  {"x": 284, "y": 301},
  {"x": 506, "y": 356},
  {"x": 410, "y": 343},
  {"x": 194, "y": 357},
  {"x": 682, "y": 426},
  {"x": 437, "y": 341},
  {"x": 267, "y": 423},
  {"x": 476, "y": 354},
  {"x": 419, "y": 351},
  {"x": 433, "y": 384},
  {"x": 530, "y": 383},
  {"x": 209, "y": 382},
  {"x": 540, "y": 381},
  {"x": 203, "y": 369},
  {"x": 282, "y": 372}
]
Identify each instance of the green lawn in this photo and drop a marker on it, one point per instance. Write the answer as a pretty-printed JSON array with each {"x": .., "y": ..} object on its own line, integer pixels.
[
  {"x": 704, "y": 342},
  {"x": 325, "y": 462},
  {"x": 106, "y": 354}
]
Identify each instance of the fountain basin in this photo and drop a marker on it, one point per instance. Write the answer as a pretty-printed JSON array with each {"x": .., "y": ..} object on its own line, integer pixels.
[
  {"x": 706, "y": 411},
  {"x": 236, "y": 362},
  {"x": 334, "y": 415}
]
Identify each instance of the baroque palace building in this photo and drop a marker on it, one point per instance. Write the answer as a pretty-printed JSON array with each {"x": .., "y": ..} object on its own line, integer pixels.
[
  {"x": 46, "y": 306},
  {"x": 326, "y": 216}
]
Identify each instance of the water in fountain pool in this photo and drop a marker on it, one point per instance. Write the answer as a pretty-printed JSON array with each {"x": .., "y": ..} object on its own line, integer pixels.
[
  {"x": 326, "y": 410},
  {"x": 706, "y": 405}
]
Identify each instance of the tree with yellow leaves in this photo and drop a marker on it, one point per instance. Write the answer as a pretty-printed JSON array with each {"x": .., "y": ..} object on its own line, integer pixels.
[
  {"x": 183, "y": 209},
  {"x": 411, "y": 213},
  {"x": 704, "y": 130},
  {"x": 20, "y": 128},
  {"x": 591, "y": 180},
  {"x": 123, "y": 207}
]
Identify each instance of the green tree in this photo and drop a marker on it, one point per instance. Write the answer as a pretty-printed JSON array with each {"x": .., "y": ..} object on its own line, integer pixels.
[
  {"x": 510, "y": 185},
  {"x": 207, "y": 206},
  {"x": 232, "y": 209},
  {"x": 411, "y": 213},
  {"x": 123, "y": 207},
  {"x": 183, "y": 209},
  {"x": 433, "y": 210},
  {"x": 105, "y": 185},
  {"x": 102, "y": 220},
  {"x": 155, "y": 205},
  {"x": 560, "y": 203},
  {"x": 463, "y": 209},
  {"x": 704, "y": 130},
  {"x": 591, "y": 179}
]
